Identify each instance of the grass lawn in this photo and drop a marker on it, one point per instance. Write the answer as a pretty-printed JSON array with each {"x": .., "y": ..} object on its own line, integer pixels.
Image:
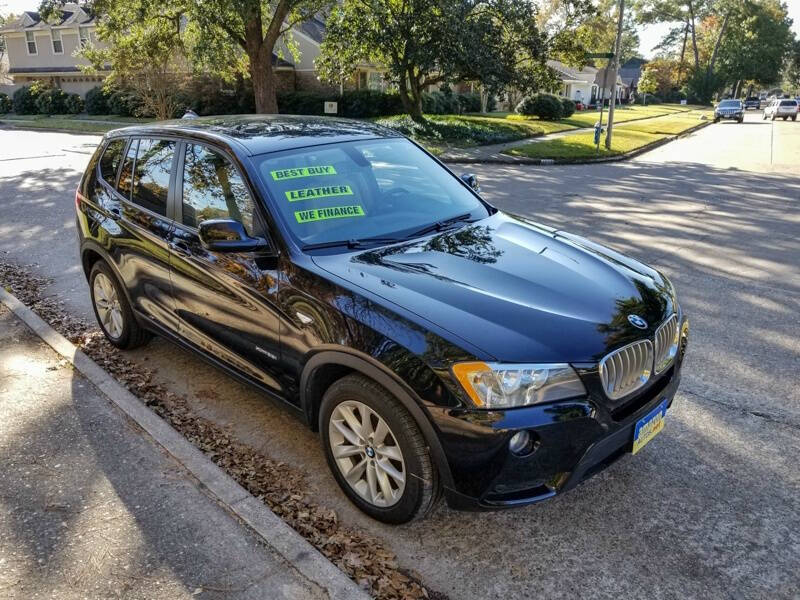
[
  {"x": 626, "y": 138},
  {"x": 83, "y": 123},
  {"x": 441, "y": 132}
]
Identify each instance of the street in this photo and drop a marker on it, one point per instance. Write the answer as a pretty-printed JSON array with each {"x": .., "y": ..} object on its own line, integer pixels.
[{"x": 711, "y": 508}]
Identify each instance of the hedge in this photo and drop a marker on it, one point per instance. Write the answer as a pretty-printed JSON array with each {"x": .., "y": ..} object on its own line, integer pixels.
[
  {"x": 5, "y": 104},
  {"x": 97, "y": 101},
  {"x": 545, "y": 106},
  {"x": 52, "y": 102},
  {"x": 568, "y": 108},
  {"x": 25, "y": 99}
]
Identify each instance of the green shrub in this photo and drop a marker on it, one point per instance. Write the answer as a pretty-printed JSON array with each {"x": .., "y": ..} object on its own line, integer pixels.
[
  {"x": 5, "y": 104},
  {"x": 52, "y": 102},
  {"x": 357, "y": 104},
  {"x": 25, "y": 99},
  {"x": 73, "y": 104},
  {"x": 463, "y": 130},
  {"x": 545, "y": 106},
  {"x": 97, "y": 101},
  {"x": 470, "y": 103},
  {"x": 123, "y": 103},
  {"x": 568, "y": 108},
  {"x": 651, "y": 99}
]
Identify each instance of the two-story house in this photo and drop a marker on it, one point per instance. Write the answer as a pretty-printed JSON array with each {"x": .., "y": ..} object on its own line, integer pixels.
[{"x": 38, "y": 50}]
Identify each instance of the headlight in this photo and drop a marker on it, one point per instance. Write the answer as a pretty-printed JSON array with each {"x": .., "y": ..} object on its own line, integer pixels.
[{"x": 495, "y": 385}]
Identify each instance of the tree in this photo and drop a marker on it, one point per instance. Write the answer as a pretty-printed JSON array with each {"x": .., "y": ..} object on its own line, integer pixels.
[
  {"x": 648, "y": 82},
  {"x": 428, "y": 42},
  {"x": 755, "y": 49},
  {"x": 791, "y": 75},
  {"x": 147, "y": 57},
  {"x": 599, "y": 32},
  {"x": 218, "y": 32}
]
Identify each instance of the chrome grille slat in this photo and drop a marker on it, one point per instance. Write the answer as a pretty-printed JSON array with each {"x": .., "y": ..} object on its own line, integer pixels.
[
  {"x": 627, "y": 369},
  {"x": 666, "y": 344}
]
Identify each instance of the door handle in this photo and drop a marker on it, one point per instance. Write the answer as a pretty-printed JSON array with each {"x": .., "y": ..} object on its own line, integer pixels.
[{"x": 180, "y": 247}]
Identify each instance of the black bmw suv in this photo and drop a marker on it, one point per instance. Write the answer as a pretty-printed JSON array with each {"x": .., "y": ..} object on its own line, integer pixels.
[{"x": 437, "y": 344}]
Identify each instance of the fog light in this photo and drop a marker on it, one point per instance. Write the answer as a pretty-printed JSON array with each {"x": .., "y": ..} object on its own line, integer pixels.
[{"x": 520, "y": 443}]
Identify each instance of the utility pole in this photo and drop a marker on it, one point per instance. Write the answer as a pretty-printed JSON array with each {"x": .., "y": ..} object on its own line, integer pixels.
[{"x": 612, "y": 100}]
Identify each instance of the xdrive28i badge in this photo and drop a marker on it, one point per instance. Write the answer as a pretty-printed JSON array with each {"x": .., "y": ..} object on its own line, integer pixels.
[{"x": 637, "y": 321}]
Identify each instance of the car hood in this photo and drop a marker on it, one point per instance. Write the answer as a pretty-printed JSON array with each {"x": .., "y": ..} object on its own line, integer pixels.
[{"x": 517, "y": 290}]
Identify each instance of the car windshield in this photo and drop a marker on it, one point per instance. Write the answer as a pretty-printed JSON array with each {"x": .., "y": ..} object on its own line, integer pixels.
[
  {"x": 381, "y": 188},
  {"x": 730, "y": 104}
]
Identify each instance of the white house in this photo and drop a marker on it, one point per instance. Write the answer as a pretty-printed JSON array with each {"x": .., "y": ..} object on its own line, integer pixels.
[{"x": 576, "y": 84}]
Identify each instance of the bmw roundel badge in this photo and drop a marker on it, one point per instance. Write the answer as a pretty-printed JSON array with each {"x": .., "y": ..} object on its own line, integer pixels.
[{"x": 637, "y": 321}]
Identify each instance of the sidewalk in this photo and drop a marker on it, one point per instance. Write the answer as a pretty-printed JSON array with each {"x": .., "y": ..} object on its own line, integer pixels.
[{"x": 90, "y": 507}]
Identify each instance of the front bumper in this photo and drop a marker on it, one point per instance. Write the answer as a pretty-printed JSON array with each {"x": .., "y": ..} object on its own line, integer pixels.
[
  {"x": 574, "y": 440},
  {"x": 729, "y": 115}
]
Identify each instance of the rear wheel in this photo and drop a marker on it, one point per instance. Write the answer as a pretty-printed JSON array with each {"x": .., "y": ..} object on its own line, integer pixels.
[
  {"x": 376, "y": 451},
  {"x": 794, "y": 118},
  {"x": 784, "y": 118},
  {"x": 113, "y": 312}
]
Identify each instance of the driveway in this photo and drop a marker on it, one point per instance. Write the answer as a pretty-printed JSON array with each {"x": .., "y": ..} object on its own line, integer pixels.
[{"x": 710, "y": 508}]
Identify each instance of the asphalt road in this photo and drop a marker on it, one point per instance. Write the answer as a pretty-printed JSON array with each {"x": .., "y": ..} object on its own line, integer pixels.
[{"x": 711, "y": 508}]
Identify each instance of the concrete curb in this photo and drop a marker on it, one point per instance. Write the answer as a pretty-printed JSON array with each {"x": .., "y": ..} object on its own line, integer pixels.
[
  {"x": 275, "y": 533},
  {"x": 511, "y": 160}
]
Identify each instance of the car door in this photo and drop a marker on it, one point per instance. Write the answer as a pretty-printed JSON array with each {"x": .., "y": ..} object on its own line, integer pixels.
[
  {"x": 224, "y": 301},
  {"x": 139, "y": 226}
]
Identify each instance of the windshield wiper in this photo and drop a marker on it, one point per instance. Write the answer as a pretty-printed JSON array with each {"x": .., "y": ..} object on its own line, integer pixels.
[
  {"x": 440, "y": 225},
  {"x": 352, "y": 243}
]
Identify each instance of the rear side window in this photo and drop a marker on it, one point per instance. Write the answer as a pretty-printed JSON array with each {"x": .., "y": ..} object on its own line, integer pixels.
[
  {"x": 109, "y": 163},
  {"x": 213, "y": 189},
  {"x": 151, "y": 174},
  {"x": 126, "y": 173}
]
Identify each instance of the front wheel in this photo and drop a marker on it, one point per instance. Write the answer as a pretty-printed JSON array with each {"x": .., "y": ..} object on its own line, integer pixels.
[{"x": 376, "y": 451}]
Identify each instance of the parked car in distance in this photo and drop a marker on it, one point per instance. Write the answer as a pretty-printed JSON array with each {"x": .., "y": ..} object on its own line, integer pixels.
[
  {"x": 729, "y": 109},
  {"x": 781, "y": 108},
  {"x": 438, "y": 345},
  {"x": 752, "y": 102}
]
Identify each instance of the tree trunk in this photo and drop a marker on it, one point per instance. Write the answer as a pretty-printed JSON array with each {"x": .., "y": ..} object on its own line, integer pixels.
[
  {"x": 717, "y": 44},
  {"x": 694, "y": 36},
  {"x": 409, "y": 101},
  {"x": 415, "y": 104},
  {"x": 683, "y": 52},
  {"x": 263, "y": 78}
]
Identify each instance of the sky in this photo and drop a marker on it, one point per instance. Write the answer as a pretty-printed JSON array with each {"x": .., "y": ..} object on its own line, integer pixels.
[{"x": 649, "y": 36}]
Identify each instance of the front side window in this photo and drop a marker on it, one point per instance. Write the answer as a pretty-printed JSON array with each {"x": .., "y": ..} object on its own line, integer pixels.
[
  {"x": 31, "y": 42},
  {"x": 213, "y": 189},
  {"x": 109, "y": 162},
  {"x": 151, "y": 174},
  {"x": 355, "y": 190},
  {"x": 58, "y": 46}
]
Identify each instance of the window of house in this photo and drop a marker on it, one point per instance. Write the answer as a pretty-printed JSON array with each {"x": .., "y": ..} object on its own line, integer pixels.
[
  {"x": 109, "y": 162},
  {"x": 213, "y": 189},
  {"x": 151, "y": 174},
  {"x": 31, "y": 42},
  {"x": 58, "y": 46},
  {"x": 83, "y": 33}
]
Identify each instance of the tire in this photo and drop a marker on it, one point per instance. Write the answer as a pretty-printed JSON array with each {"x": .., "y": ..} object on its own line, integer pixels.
[
  {"x": 794, "y": 118},
  {"x": 716, "y": 119},
  {"x": 784, "y": 118},
  {"x": 117, "y": 321},
  {"x": 353, "y": 397},
  {"x": 740, "y": 120},
  {"x": 773, "y": 117}
]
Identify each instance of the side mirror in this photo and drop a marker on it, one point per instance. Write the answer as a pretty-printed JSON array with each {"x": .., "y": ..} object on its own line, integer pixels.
[
  {"x": 227, "y": 235},
  {"x": 471, "y": 180}
]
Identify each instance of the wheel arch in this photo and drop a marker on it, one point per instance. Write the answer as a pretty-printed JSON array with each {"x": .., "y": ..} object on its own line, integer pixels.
[
  {"x": 91, "y": 253},
  {"x": 329, "y": 365}
]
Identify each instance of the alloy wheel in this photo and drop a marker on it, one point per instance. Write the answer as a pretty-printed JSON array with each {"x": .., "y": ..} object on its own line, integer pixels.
[
  {"x": 367, "y": 453},
  {"x": 109, "y": 309}
]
